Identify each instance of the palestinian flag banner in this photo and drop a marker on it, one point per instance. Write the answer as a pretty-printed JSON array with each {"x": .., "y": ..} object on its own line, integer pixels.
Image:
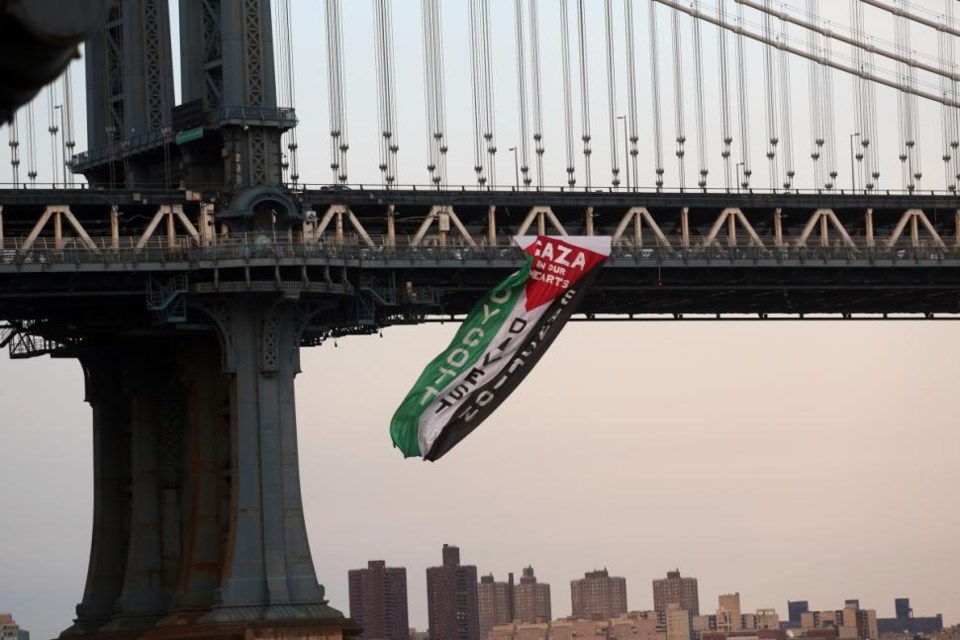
[{"x": 498, "y": 344}]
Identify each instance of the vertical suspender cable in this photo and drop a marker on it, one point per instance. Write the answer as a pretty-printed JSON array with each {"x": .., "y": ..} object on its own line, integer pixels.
[
  {"x": 701, "y": 114},
  {"x": 727, "y": 137},
  {"x": 15, "y": 150},
  {"x": 631, "y": 169},
  {"x": 378, "y": 40},
  {"x": 786, "y": 117},
  {"x": 280, "y": 61},
  {"x": 744, "y": 105},
  {"x": 68, "y": 142},
  {"x": 291, "y": 97},
  {"x": 425, "y": 8},
  {"x": 489, "y": 134},
  {"x": 537, "y": 94},
  {"x": 632, "y": 175},
  {"x": 567, "y": 91},
  {"x": 31, "y": 145},
  {"x": 771, "y": 96},
  {"x": 338, "y": 125},
  {"x": 392, "y": 120},
  {"x": 815, "y": 94},
  {"x": 389, "y": 143},
  {"x": 829, "y": 119},
  {"x": 53, "y": 127},
  {"x": 946, "y": 53},
  {"x": 954, "y": 123},
  {"x": 584, "y": 91},
  {"x": 612, "y": 95},
  {"x": 522, "y": 89},
  {"x": 476, "y": 75},
  {"x": 678, "y": 93},
  {"x": 655, "y": 82},
  {"x": 903, "y": 106},
  {"x": 441, "y": 95}
]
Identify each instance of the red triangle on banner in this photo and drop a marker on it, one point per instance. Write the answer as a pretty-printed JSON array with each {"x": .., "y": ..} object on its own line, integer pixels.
[{"x": 557, "y": 265}]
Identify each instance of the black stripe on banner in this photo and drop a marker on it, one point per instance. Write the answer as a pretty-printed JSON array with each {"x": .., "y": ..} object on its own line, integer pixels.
[{"x": 483, "y": 400}]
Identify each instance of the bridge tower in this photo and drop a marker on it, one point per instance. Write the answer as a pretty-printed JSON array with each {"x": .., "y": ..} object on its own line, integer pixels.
[{"x": 198, "y": 519}]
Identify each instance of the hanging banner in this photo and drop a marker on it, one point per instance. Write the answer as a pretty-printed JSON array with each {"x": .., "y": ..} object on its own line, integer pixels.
[{"x": 498, "y": 344}]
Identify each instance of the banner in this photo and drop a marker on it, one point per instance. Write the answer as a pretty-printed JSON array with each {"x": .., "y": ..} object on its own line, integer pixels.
[{"x": 498, "y": 344}]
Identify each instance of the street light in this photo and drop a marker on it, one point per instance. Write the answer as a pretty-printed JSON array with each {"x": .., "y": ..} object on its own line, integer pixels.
[
  {"x": 853, "y": 173},
  {"x": 516, "y": 167},
  {"x": 626, "y": 157}
]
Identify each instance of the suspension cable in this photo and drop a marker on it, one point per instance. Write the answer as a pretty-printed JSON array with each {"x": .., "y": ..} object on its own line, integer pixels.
[
  {"x": 489, "y": 133},
  {"x": 771, "y": 99},
  {"x": 339, "y": 144},
  {"x": 31, "y": 145},
  {"x": 786, "y": 116},
  {"x": 567, "y": 91},
  {"x": 815, "y": 95},
  {"x": 631, "y": 170},
  {"x": 53, "y": 127},
  {"x": 537, "y": 94},
  {"x": 726, "y": 136},
  {"x": 68, "y": 140},
  {"x": 584, "y": 91},
  {"x": 428, "y": 90},
  {"x": 701, "y": 114},
  {"x": 291, "y": 97},
  {"x": 479, "y": 103},
  {"x": 655, "y": 81},
  {"x": 612, "y": 95},
  {"x": 829, "y": 120},
  {"x": 522, "y": 89},
  {"x": 678, "y": 94},
  {"x": 744, "y": 105},
  {"x": 15, "y": 149}
]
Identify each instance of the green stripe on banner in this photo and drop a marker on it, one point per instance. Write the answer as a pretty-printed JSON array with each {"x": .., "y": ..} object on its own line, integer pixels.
[{"x": 468, "y": 345}]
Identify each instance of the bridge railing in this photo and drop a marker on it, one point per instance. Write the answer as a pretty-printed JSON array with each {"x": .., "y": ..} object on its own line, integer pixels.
[{"x": 264, "y": 247}]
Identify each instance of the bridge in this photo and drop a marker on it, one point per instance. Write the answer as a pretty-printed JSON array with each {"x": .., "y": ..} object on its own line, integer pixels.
[{"x": 193, "y": 263}]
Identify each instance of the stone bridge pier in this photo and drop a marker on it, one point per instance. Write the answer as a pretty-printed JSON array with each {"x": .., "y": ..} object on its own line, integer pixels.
[{"x": 198, "y": 528}]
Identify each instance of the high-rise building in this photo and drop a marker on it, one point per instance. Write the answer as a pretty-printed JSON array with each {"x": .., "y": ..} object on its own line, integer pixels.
[
  {"x": 495, "y": 600},
  {"x": 10, "y": 630},
  {"x": 728, "y": 612},
  {"x": 531, "y": 599},
  {"x": 597, "y": 596},
  {"x": 796, "y": 608},
  {"x": 677, "y": 590},
  {"x": 452, "y": 607},
  {"x": 378, "y": 601}
]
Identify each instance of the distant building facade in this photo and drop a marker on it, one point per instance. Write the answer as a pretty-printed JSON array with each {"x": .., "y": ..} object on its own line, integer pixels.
[
  {"x": 378, "y": 601},
  {"x": 531, "y": 599},
  {"x": 906, "y": 623},
  {"x": 728, "y": 612},
  {"x": 677, "y": 590},
  {"x": 495, "y": 600},
  {"x": 849, "y": 622},
  {"x": 10, "y": 630},
  {"x": 636, "y": 625},
  {"x": 795, "y": 609},
  {"x": 452, "y": 605},
  {"x": 597, "y": 596}
]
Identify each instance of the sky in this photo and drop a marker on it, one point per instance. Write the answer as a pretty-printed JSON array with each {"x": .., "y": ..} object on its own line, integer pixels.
[{"x": 783, "y": 460}]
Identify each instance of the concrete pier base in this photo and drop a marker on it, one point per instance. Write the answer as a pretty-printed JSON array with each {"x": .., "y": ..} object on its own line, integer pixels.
[{"x": 198, "y": 520}]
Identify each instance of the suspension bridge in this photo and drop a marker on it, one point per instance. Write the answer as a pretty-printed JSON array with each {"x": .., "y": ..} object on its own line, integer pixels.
[{"x": 192, "y": 260}]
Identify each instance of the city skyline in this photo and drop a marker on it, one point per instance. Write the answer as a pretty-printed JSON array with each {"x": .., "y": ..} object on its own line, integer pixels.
[{"x": 726, "y": 608}]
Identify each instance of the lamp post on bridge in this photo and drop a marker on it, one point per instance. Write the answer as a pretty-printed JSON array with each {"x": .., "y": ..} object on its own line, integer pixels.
[
  {"x": 516, "y": 168},
  {"x": 853, "y": 171}
]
